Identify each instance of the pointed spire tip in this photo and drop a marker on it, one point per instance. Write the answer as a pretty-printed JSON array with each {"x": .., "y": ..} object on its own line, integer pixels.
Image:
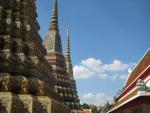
[{"x": 54, "y": 17}]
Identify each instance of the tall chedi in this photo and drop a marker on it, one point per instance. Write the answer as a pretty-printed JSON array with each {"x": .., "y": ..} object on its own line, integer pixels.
[
  {"x": 75, "y": 100},
  {"x": 26, "y": 82},
  {"x": 68, "y": 58},
  {"x": 64, "y": 84}
]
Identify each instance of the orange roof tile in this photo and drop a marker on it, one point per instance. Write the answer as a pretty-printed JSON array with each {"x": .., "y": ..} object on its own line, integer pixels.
[{"x": 142, "y": 65}]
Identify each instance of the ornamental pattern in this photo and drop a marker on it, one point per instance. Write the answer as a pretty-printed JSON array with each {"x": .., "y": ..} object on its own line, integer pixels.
[{"x": 141, "y": 86}]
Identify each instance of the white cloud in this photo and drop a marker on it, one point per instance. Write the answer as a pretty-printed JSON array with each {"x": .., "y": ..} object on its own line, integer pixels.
[
  {"x": 92, "y": 63},
  {"x": 88, "y": 96},
  {"x": 102, "y": 75},
  {"x": 82, "y": 72},
  {"x": 95, "y": 67},
  {"x": 117, "y": 76},
  {"x": 97, "y": 99},
  {"x": 116, "y": 66}
]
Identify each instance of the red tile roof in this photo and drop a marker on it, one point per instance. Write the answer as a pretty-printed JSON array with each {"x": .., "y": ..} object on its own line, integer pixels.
[{"x": 143, "y": 64}]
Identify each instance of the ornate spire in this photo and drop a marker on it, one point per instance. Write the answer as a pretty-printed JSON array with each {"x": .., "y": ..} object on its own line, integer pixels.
[
  {"x": 68, "y": 46},
  {"x": 52, "y": 41},
  {"x": 68, "y": 58},
  {"x": 54, "y": 18}
]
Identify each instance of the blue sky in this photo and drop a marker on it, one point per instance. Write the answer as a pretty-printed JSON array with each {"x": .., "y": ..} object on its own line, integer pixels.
[{"x": 107, "y": 38}]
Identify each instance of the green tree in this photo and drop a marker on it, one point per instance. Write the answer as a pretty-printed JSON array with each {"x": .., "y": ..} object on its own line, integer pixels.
[{"x": 85, "y": 106}]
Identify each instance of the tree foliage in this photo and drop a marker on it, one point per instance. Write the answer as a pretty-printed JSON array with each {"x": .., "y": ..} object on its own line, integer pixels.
[{"x": 85, "y": 106}]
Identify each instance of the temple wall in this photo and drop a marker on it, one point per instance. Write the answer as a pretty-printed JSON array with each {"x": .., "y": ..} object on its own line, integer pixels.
[
  {"x": 146, "y": 109},
  {"x": 138, "y": 109},
  {"x": 11, "y": 103}
]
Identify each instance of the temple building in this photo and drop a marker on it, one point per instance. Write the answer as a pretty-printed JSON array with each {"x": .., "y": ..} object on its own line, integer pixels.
[
  {"x": 135, "y": 96},
  {"x": 28, "y": 82},
  {"x": 61, "y": 66}
]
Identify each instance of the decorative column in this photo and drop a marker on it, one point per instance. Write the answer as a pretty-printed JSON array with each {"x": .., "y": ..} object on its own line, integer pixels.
[
  {"x": 5, "y": 96},
  {"x": 6, "y": 102},
  {"x": 43, "y": 103}
]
